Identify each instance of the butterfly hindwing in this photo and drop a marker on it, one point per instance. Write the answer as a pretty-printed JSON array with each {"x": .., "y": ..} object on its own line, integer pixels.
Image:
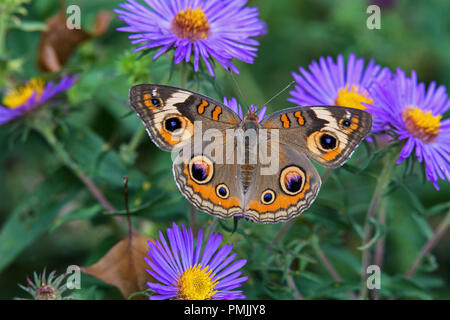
[
  {"x": 207, "y": 182},
  {"x": 284, "y": 193}
]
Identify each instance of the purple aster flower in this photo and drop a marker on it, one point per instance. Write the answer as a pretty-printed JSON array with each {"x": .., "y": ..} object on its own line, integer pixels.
[
  {"x": 186, "y": 272},
  {"x": 334, "y": 83},
  {"x": 33, "y": 94},
  {"x": 236, "y": 107},
  {"x": 206, "y": 29},
  {"x": 414, "y": 113}
]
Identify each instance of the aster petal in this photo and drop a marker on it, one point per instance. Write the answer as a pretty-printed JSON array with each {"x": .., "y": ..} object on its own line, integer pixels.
[
  {"x": 174, "y": 248},
  {"x": 156, "y": 275},
  {"x": 229, "y": 278},
  {"x": 198, "y": 246},
  {"x": 210, "y": 248},
  {"x": 407, "y": 148},
  {"x": 220, "y": 256},
  {"x": 162, "y": 289},
  {"x": 162, "y": 297},
  {"x": 262, "y": 113},
  {"x": 168, "y": 254},
  {"x": 230, "y": 283},
  {"x": 232, "y": 268},
  {"x": 157, "y": 260},
  {"x": 181, "y": 245},
  {"x": 7, "y": 114}
]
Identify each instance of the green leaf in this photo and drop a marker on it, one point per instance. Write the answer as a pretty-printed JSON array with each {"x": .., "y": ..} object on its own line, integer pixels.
[
  {"x": 235, "y": 224},
  {"x": 139, "y": 209},
  {"x": 379, "y": 232},
  {"x": 423, "y": 225},
  {"x": 31, "y": 26},
  {"x": 399, "y": 287},
  {"x": 324, "y": 214},
  {"x": 337, "y": 290},
  {"x": 79, "y": 214},
  {"x": 85, "y": 87},
  {"x": 310, "y": 276},
  {"x": 438, "y": 208},
  {"x": 35, "y": 215},
  {"x": 415, "y": 201},
  {"x": 97, "y": 159}
]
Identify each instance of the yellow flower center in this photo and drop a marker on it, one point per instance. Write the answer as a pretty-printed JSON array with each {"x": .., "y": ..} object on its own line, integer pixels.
[
  {"x": 196, "y": 284},
  {"x": 16, "y": 97},
  {"x": 191, "y": 24},
  {"x": 421, "y": 124},
  {"x": 353, "y": 97}
]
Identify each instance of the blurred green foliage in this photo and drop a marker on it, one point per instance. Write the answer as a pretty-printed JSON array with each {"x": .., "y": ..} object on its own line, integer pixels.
[{"x": 48, "y": 218}]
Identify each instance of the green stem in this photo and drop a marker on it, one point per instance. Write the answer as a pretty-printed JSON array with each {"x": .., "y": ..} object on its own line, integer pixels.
[
  {"x": 379, "y": 246},
  {"x": 3, "y": 16},
  {"x": 193, "y": 218},
  {"x": 440, "y": 230},
  {"x": 3, "y": 62},
  {"x": 382, "y": 182},
  {"x": 183, "y": 75},
  {"x": 136, "y": 139},
  {"x": 285, "y": 227},
  {"x": 67, "y": 160},
  {"x": 327, "y": 264},
  {"x": 211, "y": 227},
  {"x": 291, "y": 284}
]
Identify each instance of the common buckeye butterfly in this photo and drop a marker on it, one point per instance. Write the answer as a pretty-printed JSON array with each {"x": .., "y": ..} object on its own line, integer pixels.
[{"x": 235, "y": 187}]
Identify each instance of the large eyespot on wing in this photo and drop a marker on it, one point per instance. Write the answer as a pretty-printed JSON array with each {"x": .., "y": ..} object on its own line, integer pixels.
[
  {"x": 292, "y": 180},
  {"x": 201, "y": 169},
  {"x": 222, "y": 191},
  {"x": 268, "y": 196},
  {"x": 327, "y": 134},
  {"x": 324, "y": 144},
  {"x": 208, "y": 186},
  {"x": 166, "y": 125},
  {"x": 285, "y": 194},
  {"x": 341, "y": 132}
]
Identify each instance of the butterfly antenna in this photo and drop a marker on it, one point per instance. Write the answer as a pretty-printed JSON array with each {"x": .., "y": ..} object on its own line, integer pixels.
[
  {"x": 283, "y": 90},
  {"x": 238, "y": 88}
]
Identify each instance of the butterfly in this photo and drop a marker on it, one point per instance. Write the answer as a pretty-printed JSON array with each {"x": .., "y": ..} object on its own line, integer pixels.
[{"x": 221, "y": 177}]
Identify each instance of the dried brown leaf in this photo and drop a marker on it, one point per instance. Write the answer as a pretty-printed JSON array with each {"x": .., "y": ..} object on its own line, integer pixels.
[
  {"x": 101, "y": 23},
  {"x": 124, "y": 266},
  {"x": 58, "y": 42}
]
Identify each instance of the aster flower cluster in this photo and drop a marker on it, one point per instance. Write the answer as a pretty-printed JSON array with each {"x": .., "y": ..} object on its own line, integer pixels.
[
  {"x": 414, "y": 113},
  {"x": 19, "y": 101},
  {"x": 332, "y": 83},
  {"x": 184, "y": 271},
  {"x": 198, "y": 29},
  {"x": 398, "y": 103}
]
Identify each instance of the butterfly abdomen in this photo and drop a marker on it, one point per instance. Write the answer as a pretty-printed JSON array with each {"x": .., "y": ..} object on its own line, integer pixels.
[
  {"x": 250, "y": 129},
  {"x": 247, "y": 173}
]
